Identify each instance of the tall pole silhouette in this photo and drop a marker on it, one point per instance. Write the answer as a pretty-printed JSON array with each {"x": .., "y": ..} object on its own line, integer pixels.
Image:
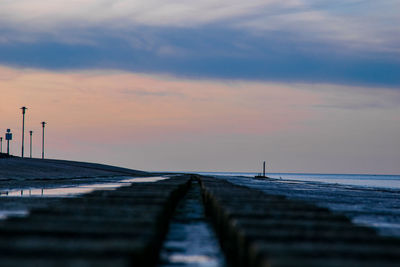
[
  {"x": 264, "y": 169},
  {"x": 1, "y": 142},
  {"x": 30, "y": 150},
  {"x": 23, "y": 129},
  {"x": 43, "y": 124}
]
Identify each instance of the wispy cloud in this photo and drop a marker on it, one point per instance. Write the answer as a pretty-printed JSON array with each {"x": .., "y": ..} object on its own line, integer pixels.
[
  {"x": 343, "y": 42},
  {"x": 40, "y": 15},
  {"x": 346, "y": 22}
]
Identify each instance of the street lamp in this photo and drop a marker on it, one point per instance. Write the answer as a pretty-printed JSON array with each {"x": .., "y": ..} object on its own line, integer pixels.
[
  {"x": 23, "y": 129},
  {"x": 30, "y": 150},
  {"x": 43, "y": 124}
]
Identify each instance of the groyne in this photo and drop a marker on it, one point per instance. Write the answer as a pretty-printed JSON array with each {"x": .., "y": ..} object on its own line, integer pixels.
[
  {"x": 258, "y": 229},
  {"x": 123, "y": 227},
  {"x": 127, "y": 226}
]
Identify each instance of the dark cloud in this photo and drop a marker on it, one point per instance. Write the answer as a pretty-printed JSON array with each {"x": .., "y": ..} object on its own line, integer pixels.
[{"x": 208, "y": 52}]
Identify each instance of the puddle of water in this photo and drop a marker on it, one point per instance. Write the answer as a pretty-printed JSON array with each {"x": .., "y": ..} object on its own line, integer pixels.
[
  {"x": 145, "y": 179},
  {"x": 12, "y": 213},
  {"x": 70, "y": 191},
  {"x": 185, "y": 259},
  {"x": 67, "y": 191},
  {"x": 191, "y": 240}
]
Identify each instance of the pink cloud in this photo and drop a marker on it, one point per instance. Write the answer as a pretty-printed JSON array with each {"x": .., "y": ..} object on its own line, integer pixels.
[
  {"x": 119, "y": 107},
  {"x": 163, "y": 122}
]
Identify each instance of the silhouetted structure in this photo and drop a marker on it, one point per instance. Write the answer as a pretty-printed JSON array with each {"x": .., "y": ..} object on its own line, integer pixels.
[
  {"x": 30, "y": 150},
  {"x": 263, "y": 173},
  {"x": 1, "y": 144},
  {"x": 43, "y": 124},
  {"x": 23, "y": 130}
]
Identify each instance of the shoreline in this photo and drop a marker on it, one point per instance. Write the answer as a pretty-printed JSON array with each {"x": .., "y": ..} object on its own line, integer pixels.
[
  {"x": 287, "y": 217},
  {"x": 371, "y": 206}
]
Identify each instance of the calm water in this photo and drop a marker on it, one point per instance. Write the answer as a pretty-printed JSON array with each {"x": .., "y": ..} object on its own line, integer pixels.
[
  {"x": 367, "y": 180},
  {"x": 71, "y": 191},
  {"x": 191, "y": 240},
  {"x": 22, "y": 210}
]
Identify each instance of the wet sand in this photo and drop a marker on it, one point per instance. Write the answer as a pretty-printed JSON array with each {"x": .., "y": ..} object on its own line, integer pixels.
[
  {"x": 18, "y": 173},
  {"x": 28, "y": 170},
  {"x": 23, "y": 176}
]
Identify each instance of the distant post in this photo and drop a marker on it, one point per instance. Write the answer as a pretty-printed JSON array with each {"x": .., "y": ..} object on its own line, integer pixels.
[
  {"x": 43, "y": 124},
  {"x": 30, "y": 150},
  {"x": 23, "y": 130},
  {"x": 264, "y": 169},
  {"x": 1, "y": 144},
  {"x": 8, "y": 138}
]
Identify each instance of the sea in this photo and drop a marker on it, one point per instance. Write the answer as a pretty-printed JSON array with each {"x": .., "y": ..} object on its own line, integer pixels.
[
  {"x": 364, "y": 180},
  {"x": 369, "y": 200}
]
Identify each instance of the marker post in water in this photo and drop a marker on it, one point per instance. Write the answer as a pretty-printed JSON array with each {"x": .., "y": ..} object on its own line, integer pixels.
[{"x": 264, "y": 169}]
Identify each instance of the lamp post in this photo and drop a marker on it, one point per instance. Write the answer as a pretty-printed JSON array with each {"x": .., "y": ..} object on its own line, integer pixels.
[
  {"x": 30, "y": 150},
  {"x": 23, "y": 130},
  {"x": 43, "y": 124}
]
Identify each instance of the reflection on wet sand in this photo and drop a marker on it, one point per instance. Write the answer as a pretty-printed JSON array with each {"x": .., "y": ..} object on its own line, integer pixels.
[
  {"x": 71, "y": 191},
  {"x": 12, "y": 213}
]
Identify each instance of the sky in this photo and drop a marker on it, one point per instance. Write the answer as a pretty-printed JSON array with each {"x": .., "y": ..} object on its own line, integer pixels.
[{"x": 175, "y": 85}]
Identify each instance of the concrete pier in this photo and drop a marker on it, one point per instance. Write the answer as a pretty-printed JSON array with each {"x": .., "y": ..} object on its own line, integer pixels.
[
  {"x": 123, "y": 227},
  {"x": 127, "y": 226},
  {"x": 258, "y": 229}
]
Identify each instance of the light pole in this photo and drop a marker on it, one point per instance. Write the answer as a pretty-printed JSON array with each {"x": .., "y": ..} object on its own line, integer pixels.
[
  {"x": 43, "y": 124},
  {"x": 23, "y": 130},
  {"x": 30, "y": 150}
]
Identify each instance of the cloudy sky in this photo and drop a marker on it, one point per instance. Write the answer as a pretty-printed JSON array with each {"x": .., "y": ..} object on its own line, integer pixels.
[{"x": 308, "y": 86}]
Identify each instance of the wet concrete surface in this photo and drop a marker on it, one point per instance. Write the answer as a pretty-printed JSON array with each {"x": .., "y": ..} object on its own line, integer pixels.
[
  {"x": 191, "y": 241},
  {"x": 378, "y": 208},
  {"x": 73, "y": 189},
  {"x": 260, "y": 229},
  {"x": 18, "y": 202},
  {"x": 51, "y": 179},
  {"x": 122, "y": 227},
  {"x": 258, "y": 222}
]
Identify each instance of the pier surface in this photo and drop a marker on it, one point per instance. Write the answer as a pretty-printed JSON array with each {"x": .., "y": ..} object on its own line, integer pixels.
[
  {"x": 178, "y": 221},
  {"x": 259, "y": 229}
]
